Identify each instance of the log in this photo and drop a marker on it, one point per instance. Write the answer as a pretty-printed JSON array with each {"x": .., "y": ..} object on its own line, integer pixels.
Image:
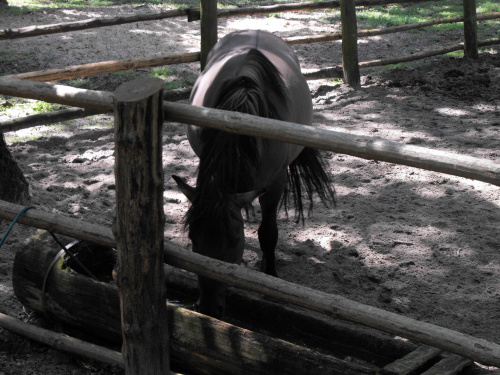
[
  {"x": 92, "y": 23},
  {"x": 62, "y": 342},
  {"x": 73, "y": 114},
  {"x": 193, "y": 15},
  {"x": 470, "y": 29},
  {"x": 384, "y": 31},
  {"x": 208, "y": 29},
  {"x": 478, "y": 349},
  {"x": 45, "y": 118},
  {"x": 139, "y": 225},
  {"x": 294, "y": 7},
  {"x": 337, "y": 72},
  {"x": 356, "y": 145},
  {"x": 198, "y": 344},
  {"x": 350, "y": 61},
  {"x": 86, "y": 70}
]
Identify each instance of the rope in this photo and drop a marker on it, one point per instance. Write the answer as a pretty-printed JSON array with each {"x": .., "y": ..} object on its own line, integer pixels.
[{"x": 14, "y": 222}]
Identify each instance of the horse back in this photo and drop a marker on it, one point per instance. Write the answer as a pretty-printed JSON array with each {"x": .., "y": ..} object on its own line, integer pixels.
[{"x": 224, "y": 63}]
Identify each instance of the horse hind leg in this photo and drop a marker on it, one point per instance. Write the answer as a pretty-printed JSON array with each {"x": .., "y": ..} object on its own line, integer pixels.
[{"x": 268, "y": 229}]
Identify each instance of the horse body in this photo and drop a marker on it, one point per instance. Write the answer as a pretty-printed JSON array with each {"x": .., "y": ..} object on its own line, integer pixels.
[{"x": 257, "y": 73}]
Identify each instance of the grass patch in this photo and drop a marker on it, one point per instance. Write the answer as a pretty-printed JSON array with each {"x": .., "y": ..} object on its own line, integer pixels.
[{"x": 161, "y": 72}]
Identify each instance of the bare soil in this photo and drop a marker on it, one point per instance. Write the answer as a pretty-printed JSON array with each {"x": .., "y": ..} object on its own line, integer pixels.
[{"x": 418, "y": 243}]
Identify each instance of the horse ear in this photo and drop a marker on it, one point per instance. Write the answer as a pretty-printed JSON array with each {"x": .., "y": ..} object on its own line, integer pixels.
[
  {"x": 244, "y": 199},
  {"x": 187, "y": 190}
]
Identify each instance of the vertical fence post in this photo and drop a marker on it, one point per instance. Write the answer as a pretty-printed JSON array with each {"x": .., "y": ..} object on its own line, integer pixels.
[
  {"x": 350, "y": 61},
  {"x": 208, "y": 28},
  {"x": 139, "y": 226},
  {"x": 470, "y": 29}
]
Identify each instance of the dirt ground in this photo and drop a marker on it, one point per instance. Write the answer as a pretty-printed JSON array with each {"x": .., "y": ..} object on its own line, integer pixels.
[{"x": 418, "y": 243}]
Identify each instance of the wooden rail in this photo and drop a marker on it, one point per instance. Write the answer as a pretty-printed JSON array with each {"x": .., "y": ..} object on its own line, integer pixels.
[
  {"x": 356, "y": 145},
  {"x": 193, "y": 14},
  {"x": 480, "y": 350}
]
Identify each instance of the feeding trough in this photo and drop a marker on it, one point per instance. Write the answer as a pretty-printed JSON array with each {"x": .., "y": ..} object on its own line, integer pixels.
[{"x": 278, "y": 339}]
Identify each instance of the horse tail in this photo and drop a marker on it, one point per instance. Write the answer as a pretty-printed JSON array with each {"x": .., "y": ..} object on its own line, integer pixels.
[{"x": 307, "y": 172}]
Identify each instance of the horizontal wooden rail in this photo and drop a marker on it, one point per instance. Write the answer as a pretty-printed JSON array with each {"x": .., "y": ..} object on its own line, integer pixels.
[
  {"x": 356, "y": 145},
  {"x": 193, "y": 15},
  {"x": 62, "y": 342},
  {"x": 337, "y": 72},
  {"x": 296, "y": 7},
  {"x": 85, "y": 70},
  {"x": 387, "y": 30},
  {"x": 91, "y": 23},
  {"x": 45, "y": 118},
  {"x": 478, "y": 349}
]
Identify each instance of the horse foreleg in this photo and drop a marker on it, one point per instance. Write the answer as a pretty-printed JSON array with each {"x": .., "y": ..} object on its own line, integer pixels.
[{"x": 268, "y": 229}]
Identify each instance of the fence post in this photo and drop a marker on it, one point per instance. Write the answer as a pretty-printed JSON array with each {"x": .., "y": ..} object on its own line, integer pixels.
[
  {"x": 470, "y": 29},
  {"x": 208, "y": 28},
  {"x": 350, "y": 61},
  {"x": 139, "y": 226}
]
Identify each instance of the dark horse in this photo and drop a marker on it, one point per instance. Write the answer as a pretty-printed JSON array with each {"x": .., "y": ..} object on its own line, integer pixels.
[{"x": 257, "y": 73}]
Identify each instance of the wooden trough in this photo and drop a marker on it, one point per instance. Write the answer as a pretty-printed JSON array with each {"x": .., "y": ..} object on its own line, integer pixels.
[{"x": 293, "y": 340}]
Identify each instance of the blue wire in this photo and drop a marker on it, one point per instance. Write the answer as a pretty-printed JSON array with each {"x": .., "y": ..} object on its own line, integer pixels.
[{"x": 14, "y": 222}]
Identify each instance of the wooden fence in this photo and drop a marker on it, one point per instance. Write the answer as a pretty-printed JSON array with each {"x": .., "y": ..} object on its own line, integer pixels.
[
  {"x": 367, "y": 147},
  {"x": 361, "y": 146},
  {"x": 209, "y": 32}
]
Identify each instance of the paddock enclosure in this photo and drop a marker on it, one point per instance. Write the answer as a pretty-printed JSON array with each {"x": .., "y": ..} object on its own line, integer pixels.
[{"x": 352, "y": 146}]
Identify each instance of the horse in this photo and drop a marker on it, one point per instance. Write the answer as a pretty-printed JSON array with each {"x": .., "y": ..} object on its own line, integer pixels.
[{"x": 257, "y": 73}]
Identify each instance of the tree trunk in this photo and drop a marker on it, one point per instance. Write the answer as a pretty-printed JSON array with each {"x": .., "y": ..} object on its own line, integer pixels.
[{"x": 13, "y": 186}]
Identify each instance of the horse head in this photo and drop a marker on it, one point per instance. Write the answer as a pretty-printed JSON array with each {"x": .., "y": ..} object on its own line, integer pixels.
[{"x": 209, "y": 238}]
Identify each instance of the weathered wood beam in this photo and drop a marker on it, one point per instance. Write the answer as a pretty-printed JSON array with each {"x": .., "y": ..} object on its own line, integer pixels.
[
  {"x": 356, "y": 145},
  {"x": 478, "y": 349},
  {"x": 412, "y": 361}
]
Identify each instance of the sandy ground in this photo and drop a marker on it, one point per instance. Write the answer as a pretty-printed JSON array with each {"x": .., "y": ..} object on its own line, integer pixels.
[{"x": 418, "y": 243}]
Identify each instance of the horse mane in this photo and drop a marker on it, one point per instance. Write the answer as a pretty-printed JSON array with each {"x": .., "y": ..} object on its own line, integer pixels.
[{"x": 228, "y": 161}]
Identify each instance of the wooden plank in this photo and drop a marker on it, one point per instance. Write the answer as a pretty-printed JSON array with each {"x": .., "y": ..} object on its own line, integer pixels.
[
  {"x": 356, "y": 145},
  {"x": 412, "y": 361},
  {"x": 481, "y": 350},
  {"x": 450, "y": 365}
]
